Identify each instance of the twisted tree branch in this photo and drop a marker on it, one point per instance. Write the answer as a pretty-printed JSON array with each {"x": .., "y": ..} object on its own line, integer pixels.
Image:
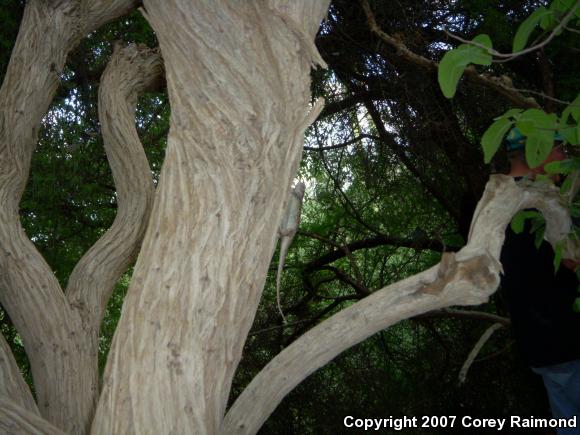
[{"x": 130, "y": 72}]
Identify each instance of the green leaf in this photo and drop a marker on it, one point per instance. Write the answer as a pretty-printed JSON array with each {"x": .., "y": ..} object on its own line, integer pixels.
[
  {"x": 562, "y": 166},
  {"x": 519, "y": 219},
  {"x": 491, "y": 139},
  {"x": 455, "y": 61},
  {"x": 538, "y": 127},
  {"x": 510, "y": 113},
  {"x": 527, "y": 27},
  {"x": 538, "y": 223},
  {"x": 450, "y": 71},
  {"x": 561, "y": 7},
  {"x": 539, "y": 237},
  {"x": 543, "y": 178},
  {"x": 576, "y": 305},
  {"x": 558, "y": 255},
  {"x": 572, "y": 109},
  {"x": 548, "y": 22},
  {"x": 570, "y": 134},
  {"x": 538, "y": 229},
  {"x": 553, "y": 167},
  {"x": 480, "y": 56},
  {"x": 535, "y": 122},
  {"x": 566, "y": 185},
  {"x": 537, "y": 150}
]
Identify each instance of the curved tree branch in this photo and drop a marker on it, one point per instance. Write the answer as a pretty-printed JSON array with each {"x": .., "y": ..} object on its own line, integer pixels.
[
  {"x": 238, "y": 115},
  {"x": 475, "y": 351},
  {"x": 130, "y": 72},
  {"x": 468, "y": 277},
  {"x": 383, "y": 240}
]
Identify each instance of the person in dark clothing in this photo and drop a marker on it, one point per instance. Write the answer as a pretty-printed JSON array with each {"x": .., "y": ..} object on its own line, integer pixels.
[{"x": 546, "y": 328}]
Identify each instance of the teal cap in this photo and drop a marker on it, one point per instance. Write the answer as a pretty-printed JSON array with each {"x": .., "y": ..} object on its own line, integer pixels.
[{"x": 515, "y": 140}]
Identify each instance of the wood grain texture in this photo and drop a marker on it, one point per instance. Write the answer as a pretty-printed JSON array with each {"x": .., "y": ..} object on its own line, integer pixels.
[
  {"x": 16, "y": 420},
  {"x": 239, "y": 86},
  {"x": 12, "y": 384},
  {"x": 62, "y": 356}
]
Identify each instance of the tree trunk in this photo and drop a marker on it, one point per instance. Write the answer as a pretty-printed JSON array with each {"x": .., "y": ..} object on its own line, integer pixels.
[{"x": 238, "y": 81}]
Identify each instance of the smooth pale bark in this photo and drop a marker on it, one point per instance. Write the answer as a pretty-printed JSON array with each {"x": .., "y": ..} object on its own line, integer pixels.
[
  {"x": 61, "y": 350},
  {"x": 238, "y": 80},
  {"x": 468, "y": 277}
]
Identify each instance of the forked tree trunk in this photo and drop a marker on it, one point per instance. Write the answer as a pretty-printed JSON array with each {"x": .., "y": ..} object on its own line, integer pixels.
[{"x": 60, "y": 329}]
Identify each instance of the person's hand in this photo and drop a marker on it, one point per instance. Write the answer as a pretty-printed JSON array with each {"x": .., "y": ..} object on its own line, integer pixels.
[{"x": 571, "y": 263}]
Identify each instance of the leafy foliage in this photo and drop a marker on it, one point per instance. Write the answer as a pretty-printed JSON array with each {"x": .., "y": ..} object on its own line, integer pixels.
[
  {"x": 455, "y": 61},
  {"x": 541, "y": 129}
]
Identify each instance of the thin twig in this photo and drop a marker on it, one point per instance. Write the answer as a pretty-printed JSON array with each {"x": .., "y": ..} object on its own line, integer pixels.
[
  {"x": 547, "y": 97},
  {"x": 344, "y": 144},
  {"x": 470, "y": 73},
  {"x": 344, "y": 248},
  {"x": 535, "y": 47},
  {"x": 480, "y": 343},
  {"x": 569, "y": 29},
  {"x": 273, "y": 328}
]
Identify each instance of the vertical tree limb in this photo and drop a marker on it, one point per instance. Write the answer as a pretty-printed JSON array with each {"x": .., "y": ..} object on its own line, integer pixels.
[
  {"x": 130, "y": 72},
  {"x": 238, "y": 114}
]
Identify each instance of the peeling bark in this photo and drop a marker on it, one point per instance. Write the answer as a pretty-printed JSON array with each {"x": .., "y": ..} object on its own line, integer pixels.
[{"x": 468, "y": 277}]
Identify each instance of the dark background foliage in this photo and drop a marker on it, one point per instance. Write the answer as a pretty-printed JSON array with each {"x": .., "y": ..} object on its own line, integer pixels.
[{"x": 394, "y": 171}]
